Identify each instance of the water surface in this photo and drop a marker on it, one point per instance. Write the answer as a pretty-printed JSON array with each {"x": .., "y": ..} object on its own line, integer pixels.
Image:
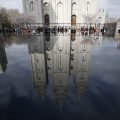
[{"x": 59, "y": 79}]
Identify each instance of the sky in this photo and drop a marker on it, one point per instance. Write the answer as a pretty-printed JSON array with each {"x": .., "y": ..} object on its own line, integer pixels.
[{"x": 112, "y": 6}]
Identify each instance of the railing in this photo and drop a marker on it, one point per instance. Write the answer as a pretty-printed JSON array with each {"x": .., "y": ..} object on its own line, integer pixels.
[{"x": 77, "y": 25}]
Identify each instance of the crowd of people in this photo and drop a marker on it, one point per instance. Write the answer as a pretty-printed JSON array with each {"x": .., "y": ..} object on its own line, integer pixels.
[
  {"x": 31, "y": 30},
  {"x": 7, "y": 29}
]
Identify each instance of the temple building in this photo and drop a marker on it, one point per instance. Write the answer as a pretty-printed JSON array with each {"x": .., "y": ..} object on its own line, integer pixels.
[{"x": 64, "y": 11}]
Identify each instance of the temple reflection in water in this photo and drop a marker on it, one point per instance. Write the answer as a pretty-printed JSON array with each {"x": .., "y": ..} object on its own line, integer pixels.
[
  {"x": 61, "y": 63},
  {"x": 3, "y": 57}
]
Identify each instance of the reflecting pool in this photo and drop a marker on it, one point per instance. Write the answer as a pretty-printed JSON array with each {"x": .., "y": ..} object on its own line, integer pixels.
[{"x": 59, "y": 78}]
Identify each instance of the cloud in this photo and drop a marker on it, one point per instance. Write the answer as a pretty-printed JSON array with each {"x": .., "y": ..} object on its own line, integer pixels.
[
  {"x": 12, "y": 4},
  {"x": 111, "y": 6}
]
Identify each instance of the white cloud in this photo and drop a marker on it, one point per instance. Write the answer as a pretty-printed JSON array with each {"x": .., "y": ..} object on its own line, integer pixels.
[
  {"x": 12, "y": 4},
  {"x": 112, "y": 7}
]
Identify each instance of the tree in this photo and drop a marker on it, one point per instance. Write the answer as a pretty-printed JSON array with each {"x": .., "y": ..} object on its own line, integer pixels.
[{"x": 4, "y": 18}]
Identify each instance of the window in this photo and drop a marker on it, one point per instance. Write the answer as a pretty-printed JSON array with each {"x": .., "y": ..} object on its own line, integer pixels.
[
  {"x": 32, "y": 6},
  {"x": 88, "y": 6},
  {"x": 47, "y": 19},
  {"x": 83, "y": 67},
  {"x": 74, "y": 5},
  {"x": 73, "y": 20},
  {"x": 84, "y": 47},
  {"x": 84, "y": 58},
  {"x": 60, "y": 4},
  {"x": 46, "y": 4}
]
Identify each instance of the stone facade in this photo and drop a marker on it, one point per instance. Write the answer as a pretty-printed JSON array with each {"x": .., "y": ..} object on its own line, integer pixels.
[{"x": 61, "y": 11}]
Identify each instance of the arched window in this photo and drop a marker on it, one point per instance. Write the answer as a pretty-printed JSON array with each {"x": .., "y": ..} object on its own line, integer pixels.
[
  {"x": 46, "y": 4},
  {"x": 73, "y": 36},
  {"x": 47, "y": 19},
  {"x": 87, "y": 6},
  {"x": 73, "y": 20},
  {"x": 60, "y": 4},
  {"x": 32, "y": 6},
  {"x": 74, "y": 5}
]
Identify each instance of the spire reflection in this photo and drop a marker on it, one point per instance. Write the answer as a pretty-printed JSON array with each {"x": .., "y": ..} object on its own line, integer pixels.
[
  {"x": 57, "y": 61},
  {"x": 3, "y": 57}
]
